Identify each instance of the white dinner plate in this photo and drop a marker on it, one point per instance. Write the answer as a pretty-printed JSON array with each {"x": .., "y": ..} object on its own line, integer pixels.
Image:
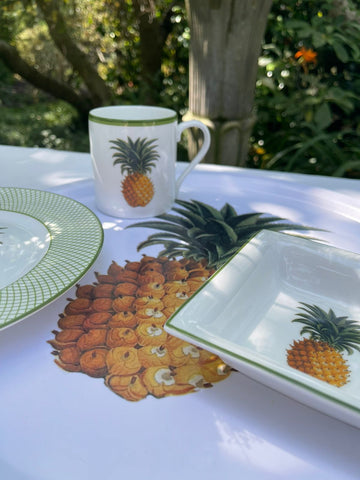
[
  {"x": 244, "y": 313},
  {"x": 48, "y": 242}
]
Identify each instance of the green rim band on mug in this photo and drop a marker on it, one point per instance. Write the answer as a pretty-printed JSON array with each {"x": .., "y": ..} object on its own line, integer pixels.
[
  {"x": 133, "y": 123},
  {"x": 134, "y": 155}
]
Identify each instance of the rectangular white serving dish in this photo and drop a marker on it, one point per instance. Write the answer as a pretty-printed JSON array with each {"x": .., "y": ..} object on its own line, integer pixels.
[{"x": 244, "y": 314}]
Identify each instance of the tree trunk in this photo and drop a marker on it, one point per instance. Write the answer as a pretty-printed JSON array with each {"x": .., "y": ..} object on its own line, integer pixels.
[
  {"x": 151, "y": 45},
  {"x": 153, "y": 32},
  {"x": 225, "y": 44}
]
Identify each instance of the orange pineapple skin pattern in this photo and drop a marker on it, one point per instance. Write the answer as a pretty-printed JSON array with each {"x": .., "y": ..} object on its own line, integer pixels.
[
  {"x": 319, "y": 360},
  {"x": 113, "y": 330},
  {"x": 138, "y": 189}
]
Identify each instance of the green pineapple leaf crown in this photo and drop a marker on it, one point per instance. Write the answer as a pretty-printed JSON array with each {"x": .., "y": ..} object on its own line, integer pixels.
[
  {"x": 339, "y": 332},
  {"x": 135, "y": 156},
  {"x": 200, "y": 231}
]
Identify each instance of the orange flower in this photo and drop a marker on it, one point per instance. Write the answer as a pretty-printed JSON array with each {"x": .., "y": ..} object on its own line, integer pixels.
[
  {"x": 307, "y": 55},
  {"x": 260, "y": 151}
]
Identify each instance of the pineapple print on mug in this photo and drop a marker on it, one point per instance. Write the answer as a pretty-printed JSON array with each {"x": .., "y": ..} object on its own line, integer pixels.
[
  {"x": 134, "y": 155},
  {"x": 136, "y": 159}
]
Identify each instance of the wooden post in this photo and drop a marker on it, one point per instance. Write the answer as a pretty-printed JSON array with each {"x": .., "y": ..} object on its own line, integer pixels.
[{"x": 225, "y": 44}]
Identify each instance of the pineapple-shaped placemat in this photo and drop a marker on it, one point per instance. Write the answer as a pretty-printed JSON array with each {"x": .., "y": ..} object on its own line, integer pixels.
[{"x": 114, "y": 328}]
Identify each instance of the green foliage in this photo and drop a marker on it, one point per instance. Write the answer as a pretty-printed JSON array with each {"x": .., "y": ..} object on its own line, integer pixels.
[
  {"x": 15, "y": 16},
  {"x": 307, "y": 95},
  {"x": 31, "y": 119},
  {"x": 308, "y": 91},
  {"x": 175, "y": 64},
  {"x": 108, "y": 32},
  {"x": 117, "y": 33}
]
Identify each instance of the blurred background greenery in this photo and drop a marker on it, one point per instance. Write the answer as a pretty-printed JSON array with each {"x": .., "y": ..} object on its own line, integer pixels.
[{"x": 307, "y": 94}]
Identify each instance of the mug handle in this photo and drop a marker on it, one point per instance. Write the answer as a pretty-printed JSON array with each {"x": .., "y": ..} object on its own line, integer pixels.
[{"x": 201, "y": 153}]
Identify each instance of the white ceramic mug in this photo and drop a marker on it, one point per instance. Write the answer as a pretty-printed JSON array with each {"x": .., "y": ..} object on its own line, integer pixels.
[{"x": 133, "y": 150}]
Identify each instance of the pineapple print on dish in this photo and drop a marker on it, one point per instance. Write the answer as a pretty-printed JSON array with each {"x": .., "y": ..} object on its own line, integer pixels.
[
  {"x": 322, "y": 354},
  {"x": 136, "y": 160}
]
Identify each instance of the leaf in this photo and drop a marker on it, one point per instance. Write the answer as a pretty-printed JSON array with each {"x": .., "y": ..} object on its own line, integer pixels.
[
  {"x": 318, "y": 39},
  {"x": 244, "y": 219},
  {"x": 351, "y": 165},
  {"x": 207, "y": 211},
  {"x": 323, "y": 116},
  {"x": 340, "y": 51},
  {"x": 195, "y": 232},
  {"x": 223, "y": 230},
  {"x": 162, "y": 226},
  {"x": 228, "y": 212},
  {"x": 163, "y": 236},
  {"x": 193, "y": 217},
  {"x": 176, "y": 219},
  {"x": 191, "y": 206},
  {"x": 297, "y": 24}
]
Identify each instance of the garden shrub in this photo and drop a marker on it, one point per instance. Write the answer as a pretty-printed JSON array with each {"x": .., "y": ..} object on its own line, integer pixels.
[{"x": 308, "y": 91}]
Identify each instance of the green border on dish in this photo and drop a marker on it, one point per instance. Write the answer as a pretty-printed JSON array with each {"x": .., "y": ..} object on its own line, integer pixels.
[
  {"x": 76, "y": 239},
  {"x": 244, "y": 359}
]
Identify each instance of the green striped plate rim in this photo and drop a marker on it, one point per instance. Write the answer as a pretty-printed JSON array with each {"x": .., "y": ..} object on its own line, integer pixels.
[{"x": 76, "y": 239}]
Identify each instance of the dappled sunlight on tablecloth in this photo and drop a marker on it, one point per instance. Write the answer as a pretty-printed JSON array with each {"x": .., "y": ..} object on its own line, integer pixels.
[{"x": 253, "y": 451}]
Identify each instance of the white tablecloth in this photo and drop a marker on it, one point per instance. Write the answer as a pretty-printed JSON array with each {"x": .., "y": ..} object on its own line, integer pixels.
[{"x": 56, "y": 425}]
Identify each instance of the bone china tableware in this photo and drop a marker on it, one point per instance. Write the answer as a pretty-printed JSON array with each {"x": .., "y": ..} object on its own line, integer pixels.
[
  {"x": 48, "y": 242},
  {"x": 134, "y": 150},
  {"x": 249, "y": 314}
]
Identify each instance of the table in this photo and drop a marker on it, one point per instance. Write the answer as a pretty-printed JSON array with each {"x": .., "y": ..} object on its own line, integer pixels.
[{"x": 56, "y": 424}]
